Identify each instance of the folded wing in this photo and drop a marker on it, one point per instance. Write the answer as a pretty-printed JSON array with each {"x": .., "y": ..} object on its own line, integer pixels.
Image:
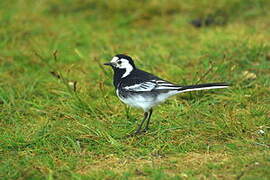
[{"x": 152, "y": 85}]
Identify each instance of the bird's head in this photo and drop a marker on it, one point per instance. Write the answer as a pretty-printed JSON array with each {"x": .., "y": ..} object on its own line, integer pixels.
[{"x": 122, "y": 63}]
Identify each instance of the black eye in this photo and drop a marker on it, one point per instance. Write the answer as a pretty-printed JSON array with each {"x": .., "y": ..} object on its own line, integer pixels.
[{"x": 119, "y": 62}]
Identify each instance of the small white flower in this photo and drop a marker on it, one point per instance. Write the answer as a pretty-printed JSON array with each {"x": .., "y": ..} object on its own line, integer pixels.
[{"x": 261, "y": 132}]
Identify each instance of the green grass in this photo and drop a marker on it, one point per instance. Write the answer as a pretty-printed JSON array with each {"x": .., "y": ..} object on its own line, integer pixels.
[{"x": 49, "y": 132}]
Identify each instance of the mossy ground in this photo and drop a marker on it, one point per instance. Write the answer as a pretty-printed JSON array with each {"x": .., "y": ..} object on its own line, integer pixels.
[{"x": 49, "y": 132}]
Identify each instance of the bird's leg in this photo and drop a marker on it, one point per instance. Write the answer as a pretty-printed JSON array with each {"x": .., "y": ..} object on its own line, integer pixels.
[
  {"x": 148, "y": 120},
  {"x": 138, "y": 131}
]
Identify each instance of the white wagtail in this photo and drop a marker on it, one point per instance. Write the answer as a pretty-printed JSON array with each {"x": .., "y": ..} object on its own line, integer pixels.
[{"x": 143, "y": 90}]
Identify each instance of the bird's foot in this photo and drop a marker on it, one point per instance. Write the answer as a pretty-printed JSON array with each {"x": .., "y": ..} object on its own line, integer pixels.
[
  {"x": 145, "y": 130},
  {"x": 137, "y": 132}
]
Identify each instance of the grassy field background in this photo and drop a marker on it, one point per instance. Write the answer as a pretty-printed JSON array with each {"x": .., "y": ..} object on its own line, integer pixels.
[{"x": 49, "y": 132}]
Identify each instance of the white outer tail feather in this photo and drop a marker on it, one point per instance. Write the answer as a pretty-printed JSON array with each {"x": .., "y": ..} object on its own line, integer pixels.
[{"x": 202, "y": 88}]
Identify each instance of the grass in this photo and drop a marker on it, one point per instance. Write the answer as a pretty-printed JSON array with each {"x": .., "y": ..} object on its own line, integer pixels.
[{"x": 50, "y": 132}]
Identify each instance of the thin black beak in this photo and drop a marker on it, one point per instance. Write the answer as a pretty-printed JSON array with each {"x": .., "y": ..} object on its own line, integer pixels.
[
  {"x": 108, "y": 64},
  {"x": 112, "y": 64}
]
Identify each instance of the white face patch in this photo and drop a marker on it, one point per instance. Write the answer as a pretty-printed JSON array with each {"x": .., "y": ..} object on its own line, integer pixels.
[{"x": 122, "y": 64}]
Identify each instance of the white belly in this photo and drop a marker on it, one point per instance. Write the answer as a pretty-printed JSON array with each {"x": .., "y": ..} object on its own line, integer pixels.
[{"x": 144, "y": 102}]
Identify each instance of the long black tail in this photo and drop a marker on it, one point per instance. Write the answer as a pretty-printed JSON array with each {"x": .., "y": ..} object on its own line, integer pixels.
[{"x": 199, "y": 87}]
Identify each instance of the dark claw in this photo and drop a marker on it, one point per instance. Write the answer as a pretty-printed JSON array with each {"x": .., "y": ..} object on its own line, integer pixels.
[
  {"x": 145, "y": 130},
  {"x": 136, "y": 133}
]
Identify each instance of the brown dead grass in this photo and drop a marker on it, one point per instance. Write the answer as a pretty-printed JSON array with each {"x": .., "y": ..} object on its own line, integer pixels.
[
  {"x": 172, "y": 165},
  {"x": 210, "y": 165}
]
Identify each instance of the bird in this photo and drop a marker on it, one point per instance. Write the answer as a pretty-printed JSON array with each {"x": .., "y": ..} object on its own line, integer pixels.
[{"x": 143, "y": 90}]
